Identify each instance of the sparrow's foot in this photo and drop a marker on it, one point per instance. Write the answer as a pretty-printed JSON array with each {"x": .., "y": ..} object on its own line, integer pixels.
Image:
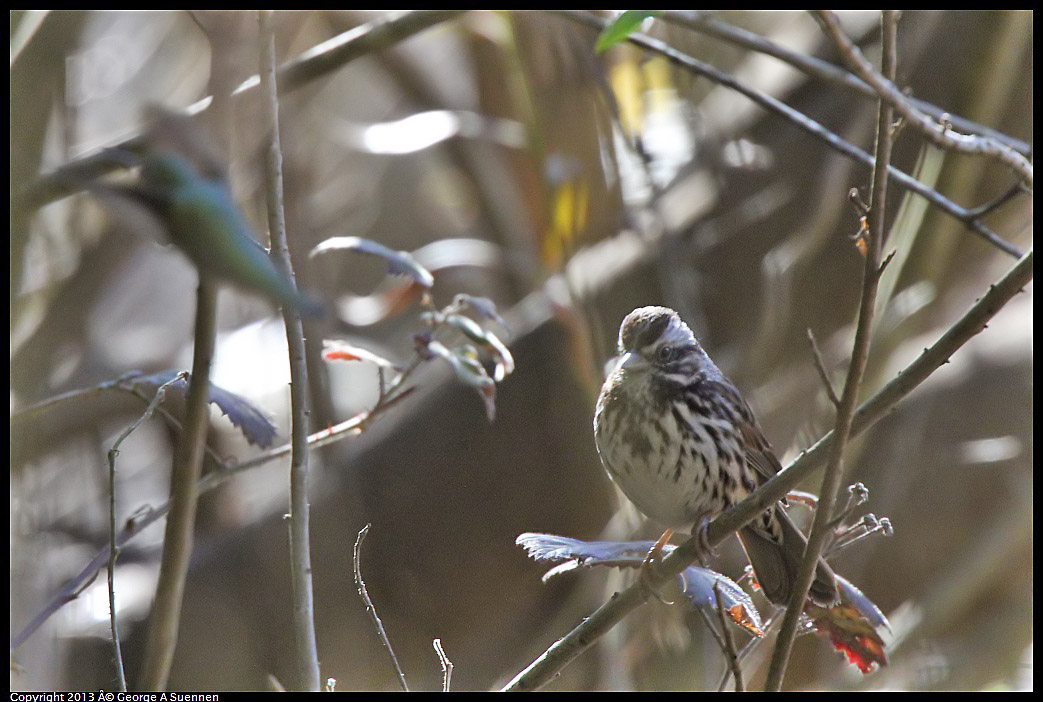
[{"x": 651, "y": 563}]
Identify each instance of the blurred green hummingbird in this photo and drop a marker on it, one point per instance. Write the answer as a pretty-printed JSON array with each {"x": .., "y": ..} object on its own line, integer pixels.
[{"x": 203, "y": 220}]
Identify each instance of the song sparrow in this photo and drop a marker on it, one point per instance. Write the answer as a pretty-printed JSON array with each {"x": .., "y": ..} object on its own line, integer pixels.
[{"x": 680, "y": 441}]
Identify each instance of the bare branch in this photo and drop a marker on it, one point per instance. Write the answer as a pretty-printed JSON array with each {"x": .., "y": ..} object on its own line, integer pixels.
[
  {"x": 177, "y": 541},
  {"x": 113, "y": 548},
  {"x": 820, "y": 366},
  {"x": 299, "y": 516},
  {"x": 704, "y": 23},
  {"x": 804, "y": 122},
  {"x": 938, "y": 133}
]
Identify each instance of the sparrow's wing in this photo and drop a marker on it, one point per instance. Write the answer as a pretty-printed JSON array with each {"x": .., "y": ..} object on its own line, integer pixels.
[{"x": 759, "y": 453}]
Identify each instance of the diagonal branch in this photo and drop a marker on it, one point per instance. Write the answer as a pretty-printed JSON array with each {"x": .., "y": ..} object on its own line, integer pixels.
[
  {"x": 704, "y": 23},
  {"x": 801, "y": 120},
  {"x": 318, "y": 61},
  {"x": 938, "y": 133}
]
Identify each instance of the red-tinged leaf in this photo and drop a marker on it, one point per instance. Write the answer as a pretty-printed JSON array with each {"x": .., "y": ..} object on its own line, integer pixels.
[
  {"x": 699, "y": 584},
  {"x": 398, "y": 262},
  {"x": 337, "y": 350},
  {"x": 852, "y": 627},
  {"x": 739, "y": 615},
  {"x": 863, "y": 652}
]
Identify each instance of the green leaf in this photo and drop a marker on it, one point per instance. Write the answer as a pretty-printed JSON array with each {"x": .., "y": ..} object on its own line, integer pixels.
[
  {"x": 621, "y": 28},
  {"x": 470, "y": 372},
  {"x": 488, "y": 340}
]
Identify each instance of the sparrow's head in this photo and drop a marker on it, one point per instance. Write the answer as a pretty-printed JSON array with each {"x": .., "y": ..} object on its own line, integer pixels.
[{"x": 655, "y": 338}]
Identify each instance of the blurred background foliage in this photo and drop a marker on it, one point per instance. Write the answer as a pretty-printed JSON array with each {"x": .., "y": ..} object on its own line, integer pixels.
[{"x": 568, "y": 187}]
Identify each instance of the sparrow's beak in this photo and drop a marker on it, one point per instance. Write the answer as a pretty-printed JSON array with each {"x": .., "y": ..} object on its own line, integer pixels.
[{"x": 632, "y": 361}]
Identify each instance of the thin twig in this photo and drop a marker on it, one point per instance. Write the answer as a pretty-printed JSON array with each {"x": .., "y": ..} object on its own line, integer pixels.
[
  {"x": 820, "y": 366},
  {"x": 364, "y": 594},
  {"x": 113, "y": 548},
  {"x": 549, "y": 664},
  {"x": 800, "y": 120},
  {"x": 729, "y": 642},
  {"x": 745, "y": 651},
  {"x": 712, "y": 628},
  {"x": 177, "y": 541},
  {"x": 834, "y": 472},
  {"x": 857, "y": 495},
  {"x": 988, "y": 207},
  {"x": 447, "y": 665},
  {"x": 705, "y": 23},
  {"x": 211, "y": 480},
  {"x": 939, "y": 134},
  {"x": 298, "y": 519}
]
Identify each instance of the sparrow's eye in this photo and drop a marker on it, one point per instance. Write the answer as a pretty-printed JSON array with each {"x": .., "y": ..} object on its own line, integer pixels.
[{"x": 666, "y": 354}]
